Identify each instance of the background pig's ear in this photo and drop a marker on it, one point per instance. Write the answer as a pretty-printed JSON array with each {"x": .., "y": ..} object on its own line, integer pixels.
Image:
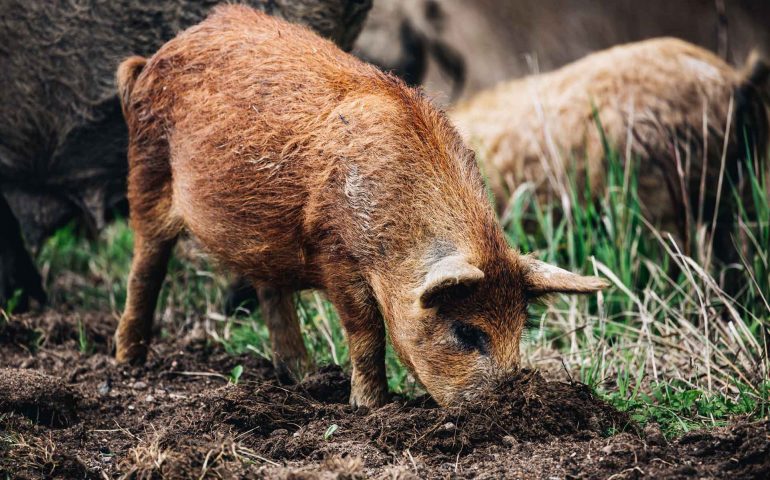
[
  {"x": 544, "y": 278},
  {"x": 450, "y": 276}
]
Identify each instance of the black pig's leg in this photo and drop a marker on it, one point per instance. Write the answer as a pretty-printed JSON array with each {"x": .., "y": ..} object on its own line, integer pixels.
[
  {"x": 17, "y": 269},
  {"x": 240, "y": 295}
]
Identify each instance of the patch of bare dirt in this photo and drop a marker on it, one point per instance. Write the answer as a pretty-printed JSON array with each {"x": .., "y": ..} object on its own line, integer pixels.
[{"x": 68, "y": 411}]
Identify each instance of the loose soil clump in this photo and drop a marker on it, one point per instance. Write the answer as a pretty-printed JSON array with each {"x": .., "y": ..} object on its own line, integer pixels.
[
  {"x": 178, "y": 416},
  {"x": 41, "y": 398}
]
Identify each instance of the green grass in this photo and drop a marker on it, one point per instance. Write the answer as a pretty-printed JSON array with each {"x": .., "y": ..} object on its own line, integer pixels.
[
  {"x": 679, "y": 408},
  {"x": 323, "y": 335},
  {"x": 664, "y": 343},
  {"x": 11, "y": 304},
  {"x": 672, "y": 347},
  {"x": 84, "y": 343}
]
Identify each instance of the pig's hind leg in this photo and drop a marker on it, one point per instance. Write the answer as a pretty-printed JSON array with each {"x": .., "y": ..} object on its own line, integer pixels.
[
  {"x": 155, "y": 233},
  {"x": 280, "y": 315}
]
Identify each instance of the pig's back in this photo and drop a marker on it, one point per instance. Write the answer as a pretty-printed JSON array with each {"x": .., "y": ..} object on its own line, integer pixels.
[
  {"x": 242, "y": 98},
  {"x": 659, "y": 86},
  {"x": 289, "y": 148}
]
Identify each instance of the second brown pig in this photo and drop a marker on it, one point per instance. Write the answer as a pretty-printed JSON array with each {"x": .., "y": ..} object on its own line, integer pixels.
[
  {"x": 675, "y": 107},
  {"x": 299, "y": 166}
]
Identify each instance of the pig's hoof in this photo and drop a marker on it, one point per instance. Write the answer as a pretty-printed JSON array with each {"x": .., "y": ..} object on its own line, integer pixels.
[
  {"x": 368, "y": 399},
  {"x": 290, "y": 372},
  {"x": 134, "y": 354}
]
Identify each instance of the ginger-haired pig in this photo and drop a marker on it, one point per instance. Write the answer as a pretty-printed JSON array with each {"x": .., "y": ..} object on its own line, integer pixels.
[{"x": 298, "y": 166}]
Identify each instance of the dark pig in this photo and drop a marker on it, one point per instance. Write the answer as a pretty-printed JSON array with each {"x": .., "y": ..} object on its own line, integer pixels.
[{"x": 62, "y": 135}]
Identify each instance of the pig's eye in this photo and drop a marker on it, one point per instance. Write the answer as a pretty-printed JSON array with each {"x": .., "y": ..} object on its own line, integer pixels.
[{"x": 470, "y": 337}]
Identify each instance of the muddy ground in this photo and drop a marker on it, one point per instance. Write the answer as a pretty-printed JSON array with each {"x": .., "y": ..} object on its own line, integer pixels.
[{"x": 68, "y": 411}]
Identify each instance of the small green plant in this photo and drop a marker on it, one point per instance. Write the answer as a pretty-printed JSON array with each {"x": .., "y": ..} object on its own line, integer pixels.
[
  {"x": 678, "y": 408},
  {"x": 330, "y": 431},
  {"x": 12, "y": 303},
  {"x": 84, "y": 344},
  {"x": 235, "y": 374}
]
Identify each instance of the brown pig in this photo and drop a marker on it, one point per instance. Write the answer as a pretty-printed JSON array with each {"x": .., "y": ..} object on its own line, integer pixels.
[
  {"x": 666, "y": 102},
  {"x": 298, "y": 166}
]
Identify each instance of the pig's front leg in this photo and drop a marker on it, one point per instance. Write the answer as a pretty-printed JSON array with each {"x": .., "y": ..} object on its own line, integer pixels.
[
  {"x": 365, "y": 332},
  {"x": 368, "y": 383}
]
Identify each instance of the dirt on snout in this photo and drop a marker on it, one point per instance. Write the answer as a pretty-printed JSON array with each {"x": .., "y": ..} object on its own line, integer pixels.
[{"x": 68, "y": 411}]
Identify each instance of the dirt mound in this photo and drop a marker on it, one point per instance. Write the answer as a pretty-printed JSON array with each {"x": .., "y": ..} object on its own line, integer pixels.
[
  {"x": 42, "y": 398},
  {"x": 287, "y": 423},
  {"x": 179, "y": 417},
  {"x": 524, "y": 407}
]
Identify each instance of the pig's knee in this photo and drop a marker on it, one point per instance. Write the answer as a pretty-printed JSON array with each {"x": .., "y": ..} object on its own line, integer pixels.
[{"x": 290, "y": 356}]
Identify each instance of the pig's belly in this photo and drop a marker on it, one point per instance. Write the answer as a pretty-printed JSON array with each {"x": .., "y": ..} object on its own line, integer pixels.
[{"x": 253, "y": 233}]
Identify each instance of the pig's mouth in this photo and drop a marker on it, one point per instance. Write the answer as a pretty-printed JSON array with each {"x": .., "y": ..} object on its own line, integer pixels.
[
  {"x": 479, "y": 384},
  {"x": 490, "y": 384}
]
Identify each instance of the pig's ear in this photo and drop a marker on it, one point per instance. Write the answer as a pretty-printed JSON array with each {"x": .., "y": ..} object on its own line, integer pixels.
[
  {"x": 543, "y": 278},
  {"x": 447, "y": 277}
]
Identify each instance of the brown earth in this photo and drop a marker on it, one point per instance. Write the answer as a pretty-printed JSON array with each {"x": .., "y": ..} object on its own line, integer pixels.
[{"x": 71, "y": 414}]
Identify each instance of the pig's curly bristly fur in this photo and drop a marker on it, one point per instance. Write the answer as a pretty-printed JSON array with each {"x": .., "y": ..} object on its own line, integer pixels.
[
  {"x": 651, "y": 99},
  {"x": 299, "y": 166}
]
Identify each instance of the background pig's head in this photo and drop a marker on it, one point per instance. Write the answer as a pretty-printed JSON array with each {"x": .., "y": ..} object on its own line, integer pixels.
[
  {"x": 460, "y": 330},
  {"x": 338, "y": 20}
]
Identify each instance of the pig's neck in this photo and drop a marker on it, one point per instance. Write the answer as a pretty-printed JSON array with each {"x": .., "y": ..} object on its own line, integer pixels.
[{"x": 399, "y": 269}]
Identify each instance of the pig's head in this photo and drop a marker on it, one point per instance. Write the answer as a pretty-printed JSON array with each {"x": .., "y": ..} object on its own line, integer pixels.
[{"x": 460, "y": 328}]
